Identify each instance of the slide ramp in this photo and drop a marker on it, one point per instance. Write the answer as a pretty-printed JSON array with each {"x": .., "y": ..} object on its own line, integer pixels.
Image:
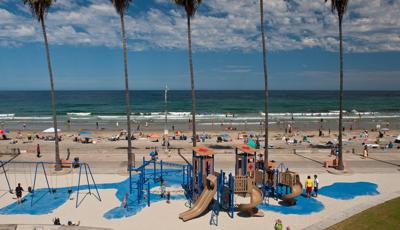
[
  {"x": 203, "y": 201},
  {"x": 297, "y": 189},
  {"x": 256, "y": 198}
]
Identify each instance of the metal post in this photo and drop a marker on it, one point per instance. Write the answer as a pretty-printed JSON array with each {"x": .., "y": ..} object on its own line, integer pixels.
[
  {"x": 130, "y": 179},
  {"x": 148, "y": 194},
  {"x": 5, "y": 174},
  {"x": 79, "y": 184},
  {"x": 183, "y": 174},
  {"x": 47, "y": 181},
  {"x": 34, "y": 184},
  {"x": 161, "y": 168},
  {"x": 155, "y": 170},
  {"x": 94, "y": 182},
  {"x": 87, "y": 179}
]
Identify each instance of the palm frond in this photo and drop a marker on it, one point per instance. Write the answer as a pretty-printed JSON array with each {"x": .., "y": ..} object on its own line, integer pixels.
[
  {"x": 39, "y": 8},
  {"x": 121, "y": 5},
  {"x": 189, "y": 5},
  {"x": 339, "y": 6}
]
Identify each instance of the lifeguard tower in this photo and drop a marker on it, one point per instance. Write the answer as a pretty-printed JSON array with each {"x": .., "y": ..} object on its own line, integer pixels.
[{"x": 203, "y": 165}]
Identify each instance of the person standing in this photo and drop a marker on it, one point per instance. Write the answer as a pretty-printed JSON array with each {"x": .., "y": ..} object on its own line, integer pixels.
[
  {"x": 278, "y": 225},
  {"x": 309, "y": 186},
  {"x": 316, "y": 185},
  {"x": 38, "y": 151},
  {"x": 365, "y": 153},
  {"x": 18, "y": 192}
]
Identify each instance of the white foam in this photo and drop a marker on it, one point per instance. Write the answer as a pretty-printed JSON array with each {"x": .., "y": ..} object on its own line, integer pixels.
[{"x": 79, "y": 114}]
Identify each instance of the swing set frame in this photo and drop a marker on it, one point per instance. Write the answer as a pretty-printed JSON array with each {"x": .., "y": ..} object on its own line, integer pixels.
[{"x": 41, "y": 164}]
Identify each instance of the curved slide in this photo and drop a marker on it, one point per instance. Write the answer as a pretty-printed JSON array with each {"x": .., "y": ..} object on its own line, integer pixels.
[
  {"x": 297, "y": 189},
  {"x": 256, "y": 198},
  {"x": 203, "y": 201}
]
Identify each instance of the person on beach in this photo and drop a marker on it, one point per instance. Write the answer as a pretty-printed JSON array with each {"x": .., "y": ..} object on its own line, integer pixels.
[
  {"x": 168, "y": 197},
  {"x": 18, "y": 192},
  {"x": 56, "y": 221},
  {"x": 365, "y": 152},
  {"x": 278, "y": 225},
  {"x": 163, "y": 188},
  {"x": 97, "y": 125},
  {"x": 309, "y": 186},
  {"x": 38, "y": 151},
  {"x": 316, "y": 185}
]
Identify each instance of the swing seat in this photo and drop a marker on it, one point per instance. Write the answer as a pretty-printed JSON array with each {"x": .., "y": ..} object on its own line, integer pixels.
[{"x": 65, "y": 164}]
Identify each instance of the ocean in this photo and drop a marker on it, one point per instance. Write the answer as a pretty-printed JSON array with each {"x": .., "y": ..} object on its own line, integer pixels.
[{"x": 102, "y": 106}]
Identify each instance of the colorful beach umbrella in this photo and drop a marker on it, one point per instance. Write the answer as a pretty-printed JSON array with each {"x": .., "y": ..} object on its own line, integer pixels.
[{"x": 4, "y": 131}]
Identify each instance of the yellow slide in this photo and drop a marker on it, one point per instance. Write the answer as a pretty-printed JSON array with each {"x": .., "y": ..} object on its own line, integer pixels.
[
  {"x": 297, "y": 189},
  {"x": 203, "y": 201},
  {"x": 256, "y": 198}
]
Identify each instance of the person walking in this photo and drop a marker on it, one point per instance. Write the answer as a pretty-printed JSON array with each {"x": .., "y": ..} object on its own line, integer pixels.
[{"x": 18, "y": 192}]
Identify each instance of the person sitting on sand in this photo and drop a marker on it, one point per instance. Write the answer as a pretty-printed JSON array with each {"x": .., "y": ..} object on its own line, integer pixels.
[
  {"x": 70, "y": 223},
  {"x": 18, "y": 192},
  {"x": 309, "y": 185}
]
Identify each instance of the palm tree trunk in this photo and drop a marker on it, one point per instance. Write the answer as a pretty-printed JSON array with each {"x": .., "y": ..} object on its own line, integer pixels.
[
  {"x": 131, "y": 157},
  {"x": 192, "y": 83},
  {"x": 340, "y": 165},
  {"x": 53, "y": 99},
  {"x": 266, "y": 93}
]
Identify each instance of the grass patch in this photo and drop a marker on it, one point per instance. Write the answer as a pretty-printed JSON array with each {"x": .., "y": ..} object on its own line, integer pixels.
[{"x": 384, "y": 216}]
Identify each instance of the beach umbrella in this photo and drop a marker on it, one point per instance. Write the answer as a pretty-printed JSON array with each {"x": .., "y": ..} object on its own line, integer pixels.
[
  {"x": 4, "y": 131},
  {"x": 50, "y": 130}
]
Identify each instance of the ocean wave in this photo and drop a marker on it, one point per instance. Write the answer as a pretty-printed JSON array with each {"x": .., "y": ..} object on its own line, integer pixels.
[
  {"x": 111, "y": 117},
  {"x": 79, "y": 114},
  {"x": 32, "y": 118}
]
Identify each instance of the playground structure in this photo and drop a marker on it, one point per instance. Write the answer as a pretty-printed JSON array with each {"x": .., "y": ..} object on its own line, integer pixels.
[
  {"x": 250, "y": 179},
  {"x": 152, "y": 171},
  {"x": 37, "y": 168}
]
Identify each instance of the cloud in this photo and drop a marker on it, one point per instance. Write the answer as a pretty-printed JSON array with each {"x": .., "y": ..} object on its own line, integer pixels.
[{"x": 371, "y": 26}]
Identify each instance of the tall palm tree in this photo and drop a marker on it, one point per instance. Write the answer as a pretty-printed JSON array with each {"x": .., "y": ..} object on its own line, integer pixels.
[
  {"x": 266, "y": 93},
  {"x": 39, "y": 9},
  {"x": 121, "y": 6},
  {"x": 340, "y": 7},
  {"x": 190, "y": 9}
]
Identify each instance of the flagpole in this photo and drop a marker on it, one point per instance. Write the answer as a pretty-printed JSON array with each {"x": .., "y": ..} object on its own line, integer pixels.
[{"x": 166, "y": 107}]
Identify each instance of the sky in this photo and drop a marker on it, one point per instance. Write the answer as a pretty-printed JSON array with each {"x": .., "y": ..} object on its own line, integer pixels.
[{"x": 302, "y": 45}]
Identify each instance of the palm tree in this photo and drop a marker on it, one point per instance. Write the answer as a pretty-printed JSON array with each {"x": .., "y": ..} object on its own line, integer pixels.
[
  {"x": 266, "y": 93},
  {"x": 39, "y": 9},
  {"x": 190, "y": 9},
  {"x": 121, "y": 6},
  {"x": 340, "y": 7}
]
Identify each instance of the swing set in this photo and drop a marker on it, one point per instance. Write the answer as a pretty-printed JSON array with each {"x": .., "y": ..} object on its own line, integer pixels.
[{"x": 51, "y": 184}]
